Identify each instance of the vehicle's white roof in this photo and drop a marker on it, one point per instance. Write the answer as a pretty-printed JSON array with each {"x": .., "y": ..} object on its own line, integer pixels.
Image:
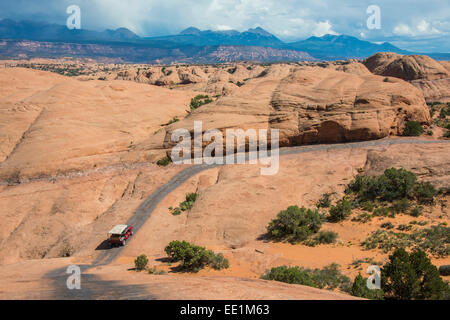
[{"x": 118, "y": 229}]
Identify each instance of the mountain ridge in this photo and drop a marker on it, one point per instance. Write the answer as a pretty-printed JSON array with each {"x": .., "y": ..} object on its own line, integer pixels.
[{"x": 193, "y": 41}]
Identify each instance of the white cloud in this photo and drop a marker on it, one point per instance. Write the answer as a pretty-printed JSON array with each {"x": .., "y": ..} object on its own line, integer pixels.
[
  {"x": 323, "y": 28},
  {"x": 403, "y": 30},
  {"x": 223, "y": 28},
  {"x": 422, "y": 28}
]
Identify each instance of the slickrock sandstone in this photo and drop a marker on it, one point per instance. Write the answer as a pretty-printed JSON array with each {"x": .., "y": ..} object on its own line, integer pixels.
[
  {"x": 50, "y": 124},
  {"x": 408, "y": 68},
  {"x": 430, "y": 76},
  {"x": 314, "y": 105}
]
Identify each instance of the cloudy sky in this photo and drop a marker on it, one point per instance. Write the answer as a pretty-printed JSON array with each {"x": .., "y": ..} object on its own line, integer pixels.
[{"x": 419, "y": 25}]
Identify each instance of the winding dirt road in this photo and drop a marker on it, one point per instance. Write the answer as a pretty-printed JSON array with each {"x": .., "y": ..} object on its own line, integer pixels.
[{"x": 148, "y": 206}]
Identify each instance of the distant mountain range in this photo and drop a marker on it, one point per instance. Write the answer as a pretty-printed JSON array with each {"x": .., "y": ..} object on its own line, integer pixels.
[{"x": 189, "y": 46}]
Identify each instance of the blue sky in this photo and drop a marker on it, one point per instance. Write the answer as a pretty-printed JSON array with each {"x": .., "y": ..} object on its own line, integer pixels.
[{"x": 417, "y": 25}]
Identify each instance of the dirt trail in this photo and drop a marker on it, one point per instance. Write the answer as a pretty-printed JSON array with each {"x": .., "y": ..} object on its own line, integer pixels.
[{"x": 147, "y": 207}]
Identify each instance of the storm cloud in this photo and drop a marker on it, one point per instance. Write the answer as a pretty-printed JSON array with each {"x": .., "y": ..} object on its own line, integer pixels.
[{"x": 417, "y": 25}]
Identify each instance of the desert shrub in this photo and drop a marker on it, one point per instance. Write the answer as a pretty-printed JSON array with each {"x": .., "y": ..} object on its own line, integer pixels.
[
  {"x": 232, "y": 70},
  {"x": 411, "y": 276},
  {"x": 174, "y": 120},
  {"x": 199, "y": 101},
  {"x": 189, "y": 202},
  {"x": 295, "y": 224},
  {"x": 387, "y": 225},
  {"x": 326, "y": 237},
  {"x": 396, "y": 185},
  {"x": 401, "y": 205},
  {"x": 193, "y": 257},
  {"x": 363, "y": 217},
  {"x": 435, "y": 240},
  {"x": 367, "y": 206},
  {"x": 444, "y": 113},
  {"x": 186, "y": 205},
  {"x": 424, "y": 192},
  {"x": 413, "y": 129},
  {"x": 381, "y": 212},
  {"x": 341, "y": 211},
  {"x": 404, "y": 227},
  {"x": 324, "y": 201},
  {"x": 360, "y": 289},
  {"x": 154, "y": 271},
  {"x": 331, "y": 278},
  {"x": 327, "y": 278},
  {"x": 141, "y": 262},
  {"x": 219, "y": 262},
  {"x": 356, "y": 184},
  {"x": 416, "y": 211},
  {"x": 164, "y": 162},
  {"x": 292, "y": 275}
]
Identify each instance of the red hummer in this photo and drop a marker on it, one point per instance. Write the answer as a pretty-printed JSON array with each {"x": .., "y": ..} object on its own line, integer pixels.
[{"x": 119, "y": 235}]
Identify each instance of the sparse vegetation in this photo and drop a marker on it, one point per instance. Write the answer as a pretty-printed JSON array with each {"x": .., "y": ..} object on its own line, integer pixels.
[
  {"x": 295, "y": 224},
  {"x": 324, "y": 201},
  {"x": 194, "y": 258},
  {"x": 141, "y": 262},
  {"x": 199, "y": 101},
  {"x": 186, "y": 205},
  {"x": 413, "y": 129},
  {"x": 340, "y": 211},
  {"x": 323, "y": 237},
  {"x": 329, "y": 277},
  {"x": 435, "y": 240},
  {"x": 396, "y": 186},
  {"x": 164, "y": 162},
  {"x": 174, "y": 119}
]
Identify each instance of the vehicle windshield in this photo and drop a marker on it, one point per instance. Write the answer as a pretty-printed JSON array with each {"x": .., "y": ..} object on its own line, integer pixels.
[{"x": 115, "y": 236}]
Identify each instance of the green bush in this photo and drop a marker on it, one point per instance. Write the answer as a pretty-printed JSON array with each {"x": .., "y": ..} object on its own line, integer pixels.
[
  {"x": 360, "y": 289},
  {"x": 327, "y": 278},
  {"x": 416, "y": 211},
  {"x": 186, "y": 205},
  {"x": 193, "y": 257},
  {"x": 326, "y": 237},
  {"x": 292, "y": 275},
  {"x": 219, "y": 262},
  {"x": 341, "y": 211},
  {"x": 424, "y": 192},
  {"x": 153, "y": 270},
  {"x": 164, "y": 162},
  {"x": 387, "y": 225},
  {"x": 199, "y": 101},
  {"x": 411, "y": 276},
  {"x": 381, "y": 212},
  {"x": 295, "y": 224},
  {"x": 413, "y": 129},
  {"x": 401, "y": 206},
  {"x": 324, "y": 202},
  {"x": 396, "y": 185},
  {"x": 435, "y": 240},
  {"x": 141, "y": 262},
  {"x": 189, "y": 202}
]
